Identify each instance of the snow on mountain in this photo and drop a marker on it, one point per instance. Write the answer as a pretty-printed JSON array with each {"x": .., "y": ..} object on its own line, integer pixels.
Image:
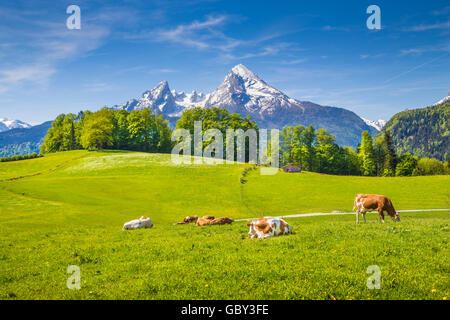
[
  {"x": 6, "y": 124},
  {"x": 165, "y": 101},
  {"x": 378, "y": 125},
  {"x": 245, "y": 93},
  {"x": 447, "y": 98}
]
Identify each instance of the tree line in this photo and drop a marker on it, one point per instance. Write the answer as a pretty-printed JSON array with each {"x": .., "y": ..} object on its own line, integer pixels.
[
  {"x": 314, "y": 150},
  {"x": 138, "y": 130},
  {"x": 317, "y": 151},
  {"x": 21, "y": 157}
]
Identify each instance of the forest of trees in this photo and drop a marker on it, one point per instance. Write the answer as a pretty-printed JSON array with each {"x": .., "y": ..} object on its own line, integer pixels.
[
  {"x": 139, "y": 130},
  {"x": 317, "y": 151},
  {"x": 19, "y": 149},
  {"x": 217, "y": 118},
  {"x": 422, "y": 132},
  {"x": 314, "y": 150}
]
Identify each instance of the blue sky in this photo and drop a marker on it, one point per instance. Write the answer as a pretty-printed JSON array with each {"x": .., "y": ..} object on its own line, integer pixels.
[{"x": 320, "y": 51}]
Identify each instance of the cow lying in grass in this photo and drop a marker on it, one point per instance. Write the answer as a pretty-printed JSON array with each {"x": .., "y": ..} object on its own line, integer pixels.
[
  {"x": 205, "y": 220},
  {"x": 142, "y": 222},
  {"x": 209, "y": 220},
  {"x": 268, "y": 227},
  {"x": 188, "y": 219},
  {"x": 367, "y": 202}
]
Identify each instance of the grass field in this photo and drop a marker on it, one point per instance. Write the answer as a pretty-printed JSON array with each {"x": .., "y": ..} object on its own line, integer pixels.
[{"x": 68, "y": 209}]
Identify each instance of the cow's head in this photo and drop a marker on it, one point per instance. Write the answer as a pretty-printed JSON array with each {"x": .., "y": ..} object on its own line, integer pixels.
[
  {"x": 397, "y": 217},
  {"x": 189, "y": 219},
  {"x": 252, "y": 231},
  {"x": 257, "y": 229}
]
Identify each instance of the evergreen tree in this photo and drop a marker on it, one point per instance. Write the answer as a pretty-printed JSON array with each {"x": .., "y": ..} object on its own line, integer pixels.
[
  {"x": 366, "y": 155},
  {"x": 390, "y": 157}
]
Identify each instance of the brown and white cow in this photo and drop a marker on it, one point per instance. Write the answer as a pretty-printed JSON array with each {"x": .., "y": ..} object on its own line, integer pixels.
[
  {"x": 367, "y": 202},
  {"x": 268, "y": 227},
  {"x": 188, "y": 219},
  {"x": 209, "y": 220}
]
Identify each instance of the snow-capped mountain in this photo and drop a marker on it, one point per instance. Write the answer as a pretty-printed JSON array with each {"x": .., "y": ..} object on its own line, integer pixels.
[
  {"x": 6, "y": 124},
  {"x": 378, "y": 125},
  {"x": 447, "y": 98},
  {"x": 165, "y": 101},
  {"x": 245, "y": 93}
]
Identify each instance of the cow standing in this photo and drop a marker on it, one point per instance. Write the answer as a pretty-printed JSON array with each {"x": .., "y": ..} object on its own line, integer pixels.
[{"x": 367, "y": 202}]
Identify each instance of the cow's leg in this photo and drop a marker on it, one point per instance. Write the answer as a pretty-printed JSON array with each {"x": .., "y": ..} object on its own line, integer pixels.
[
  {"x": 364, "y": 217},
  {"x": 381, "y": 216},
  {"x": 357, "y": 217}
]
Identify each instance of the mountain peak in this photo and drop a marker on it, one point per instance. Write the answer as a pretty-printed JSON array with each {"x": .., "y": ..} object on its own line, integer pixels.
[
  {"x": 378, "y": 125},
  {"x": 163, "y": 85},
  {"x": 445, "y": 99},
  {"x": 244, "y": 72},
  {"x": 6, "y": 124}
]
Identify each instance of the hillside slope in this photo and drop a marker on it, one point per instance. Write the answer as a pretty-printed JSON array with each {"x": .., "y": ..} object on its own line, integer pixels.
[{"x": 422, "y": 132}]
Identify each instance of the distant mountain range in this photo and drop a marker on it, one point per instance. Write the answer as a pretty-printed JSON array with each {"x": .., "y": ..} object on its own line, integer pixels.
[
  {"x": 23, "y": 140},
  {"x": 245, "y": 93},
  {"x": 6, "y": 124}
]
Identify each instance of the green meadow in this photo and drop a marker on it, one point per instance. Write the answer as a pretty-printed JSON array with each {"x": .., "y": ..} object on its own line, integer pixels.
[{"x": 68, "y": 208}]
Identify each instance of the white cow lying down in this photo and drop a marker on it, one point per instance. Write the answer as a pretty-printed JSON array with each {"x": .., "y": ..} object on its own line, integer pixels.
[{"x": 142, "y": 222}]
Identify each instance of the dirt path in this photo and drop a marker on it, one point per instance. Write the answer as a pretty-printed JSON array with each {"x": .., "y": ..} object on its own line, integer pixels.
[{"x": 301, "y": 215}]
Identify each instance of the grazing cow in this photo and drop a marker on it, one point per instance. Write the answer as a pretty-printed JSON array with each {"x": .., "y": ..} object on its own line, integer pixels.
[
  {"x": 209, "y": 220},
  {"x": 268, "y": 227},
  {"x": 142, "y": 222},
  {"x": 367, "y": 202}
]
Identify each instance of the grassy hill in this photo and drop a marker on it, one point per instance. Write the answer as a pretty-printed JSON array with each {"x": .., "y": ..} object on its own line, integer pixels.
[
  {"x": 68, "y": 209},
  {"x": 422, "y": 132}
]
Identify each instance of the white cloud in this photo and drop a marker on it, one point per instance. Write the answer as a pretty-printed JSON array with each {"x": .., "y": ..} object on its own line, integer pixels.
[
  {"x": 443, "y": 11},
  {"x": 426, "y": 27},
  {"x": 36, "y": 74},
  {"x": 33, "y": 50},
  {"x": 197, "y": 34},
  {"x": 419, "y": 50},
  {"x": 332, "y": 28}
]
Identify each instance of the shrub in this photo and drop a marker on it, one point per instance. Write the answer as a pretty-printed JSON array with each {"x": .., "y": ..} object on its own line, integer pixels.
[{"x": 429, "y": 166}]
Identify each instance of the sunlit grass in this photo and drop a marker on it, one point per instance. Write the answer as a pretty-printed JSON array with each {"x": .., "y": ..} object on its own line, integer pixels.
[{"x": 73, "y": 215}]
